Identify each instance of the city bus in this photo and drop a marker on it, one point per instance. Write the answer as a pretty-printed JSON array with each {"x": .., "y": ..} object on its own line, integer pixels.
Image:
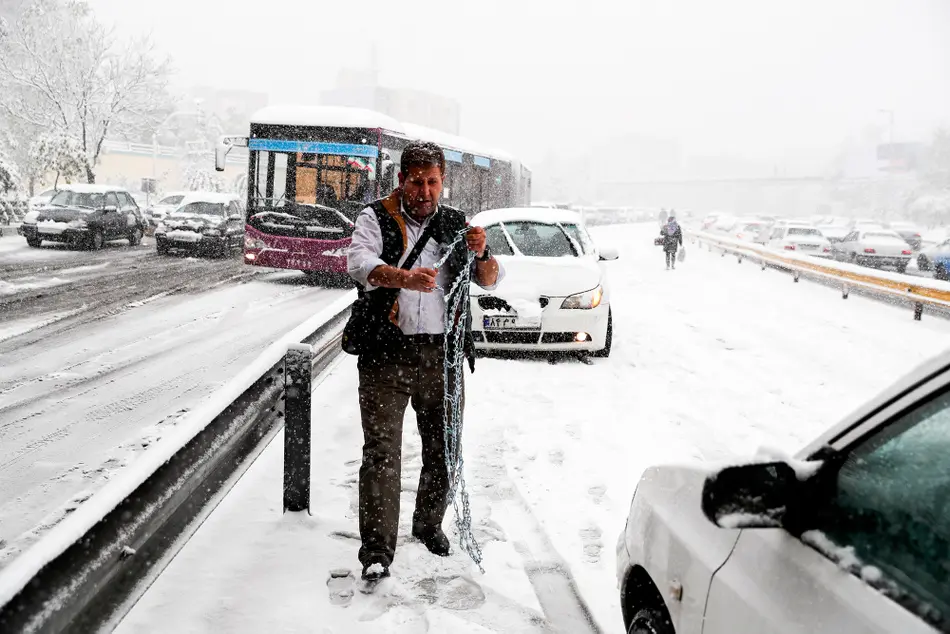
[{"x": 312, "y": 169}]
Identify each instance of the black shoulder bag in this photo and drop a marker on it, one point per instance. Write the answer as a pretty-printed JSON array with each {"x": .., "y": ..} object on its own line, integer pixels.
[{"x": 369, "y": 327}]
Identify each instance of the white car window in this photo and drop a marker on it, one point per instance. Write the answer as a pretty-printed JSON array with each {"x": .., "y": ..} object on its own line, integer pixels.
[
  {"x": 881, "y": 234},
  {"x": 171, "y": 200},
  {"x": 204, "y": 209},
  {"x": 497, "y": 241},
  {"x": 581, "y": 237},
  {"x": 803, "y": 231},
  {"x": 536, "y": 239},
  {"x": 891, "y": 504}
]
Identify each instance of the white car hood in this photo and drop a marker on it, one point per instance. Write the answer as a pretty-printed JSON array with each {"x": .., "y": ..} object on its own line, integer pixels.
[{"x": 548, "y": 277}]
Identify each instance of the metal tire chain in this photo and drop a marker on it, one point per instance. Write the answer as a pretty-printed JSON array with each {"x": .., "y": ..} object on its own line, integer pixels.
[{"x": 456, "y": 315}]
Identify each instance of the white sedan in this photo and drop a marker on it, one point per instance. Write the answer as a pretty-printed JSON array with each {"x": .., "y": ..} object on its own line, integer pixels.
[
  {"x": 800, "y": 238},
  {"x": 850, "y": 536},
  {"x": 876, "y": 247},
  {"x": 554, "y": 296}
]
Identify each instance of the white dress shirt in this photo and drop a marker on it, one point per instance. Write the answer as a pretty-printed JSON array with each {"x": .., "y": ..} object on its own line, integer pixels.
[{"x": 419, "y": 313}]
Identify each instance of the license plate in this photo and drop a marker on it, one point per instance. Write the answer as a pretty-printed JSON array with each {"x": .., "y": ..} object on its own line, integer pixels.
[
  {"x": 184, "y": 236},
  {"x": 303, "y": 265},
  {"x": 506, "y": 323},
  {"x": 53, "y": 228}
]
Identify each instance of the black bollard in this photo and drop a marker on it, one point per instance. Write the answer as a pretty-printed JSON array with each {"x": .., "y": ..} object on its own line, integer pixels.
[
  {"x": 297, "y": 377},
  {"x": 918, "y": 310}
]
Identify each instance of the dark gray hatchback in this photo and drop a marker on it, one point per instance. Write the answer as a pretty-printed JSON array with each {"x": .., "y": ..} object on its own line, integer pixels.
[{"x": 87, "y": 217}]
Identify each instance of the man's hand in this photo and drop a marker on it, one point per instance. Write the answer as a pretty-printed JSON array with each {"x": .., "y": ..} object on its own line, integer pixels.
[
  {"x": 476, "y": 239},
  {"x": 420, "y": 279}
]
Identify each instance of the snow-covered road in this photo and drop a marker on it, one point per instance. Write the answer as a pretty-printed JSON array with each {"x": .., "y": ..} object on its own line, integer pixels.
[
  {"x": 712, "y": 360},
  {"x": 126, "y": 343}
]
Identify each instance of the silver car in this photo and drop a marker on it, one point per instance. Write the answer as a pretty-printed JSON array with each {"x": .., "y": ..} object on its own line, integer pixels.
[{"x": 850, "y": 536}]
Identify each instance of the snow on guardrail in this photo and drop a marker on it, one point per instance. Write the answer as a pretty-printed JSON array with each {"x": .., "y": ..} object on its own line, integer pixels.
[
  {"x": 912, "y": 289},
  {"x": 25, "y": 567}
]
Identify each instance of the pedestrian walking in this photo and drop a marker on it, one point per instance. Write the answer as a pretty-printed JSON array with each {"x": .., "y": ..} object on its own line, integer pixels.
[
  {"x": 397, "y": 329},
  {"x": 672, "y": 235}
]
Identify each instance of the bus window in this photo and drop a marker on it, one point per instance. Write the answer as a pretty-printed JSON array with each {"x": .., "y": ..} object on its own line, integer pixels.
[{"x": 282, "y": 178}]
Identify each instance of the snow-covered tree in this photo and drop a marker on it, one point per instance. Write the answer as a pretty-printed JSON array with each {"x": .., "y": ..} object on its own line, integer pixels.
[
  {"x": 59, "y": 154},
  {"x": 9, "y": 175},
  {"x": 937, "y": 170},
  {"x": 62, "y": 71},
  {"x": 196, "y": 178}
]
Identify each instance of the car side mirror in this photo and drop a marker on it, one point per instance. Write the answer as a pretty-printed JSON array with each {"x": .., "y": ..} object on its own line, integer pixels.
[
  {"x": 110, "y": 208},
  {"x": 608, "y": 254},
  {"x": 750, "y": 496}
]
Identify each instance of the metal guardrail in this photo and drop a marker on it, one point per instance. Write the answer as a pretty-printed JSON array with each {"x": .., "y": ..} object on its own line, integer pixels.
[
  {"x": 919, "y": 295},
  {"x": 96, "y": 580}
]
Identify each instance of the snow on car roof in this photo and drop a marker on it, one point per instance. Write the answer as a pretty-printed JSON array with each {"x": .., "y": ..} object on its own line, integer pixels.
[
  {"x": 527, "y": 214},
  {"x": 92, "y": 189},
  {"x": 208, "y": 197},
  {"x": 325, "y": 116}
]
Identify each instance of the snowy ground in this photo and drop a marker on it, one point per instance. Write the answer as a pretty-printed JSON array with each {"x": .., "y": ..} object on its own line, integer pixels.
[
  {"x": 711, "y": 360},
  {"x": 102, "y": 363}
]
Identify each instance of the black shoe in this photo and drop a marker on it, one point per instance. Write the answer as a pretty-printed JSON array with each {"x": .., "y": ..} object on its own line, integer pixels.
[
  {"x": 433, "y": 539},
  {"x": 375, "y": 572}
]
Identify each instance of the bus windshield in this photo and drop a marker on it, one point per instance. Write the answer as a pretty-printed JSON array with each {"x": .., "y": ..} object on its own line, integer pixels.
[{"x": 284, "y": 180}]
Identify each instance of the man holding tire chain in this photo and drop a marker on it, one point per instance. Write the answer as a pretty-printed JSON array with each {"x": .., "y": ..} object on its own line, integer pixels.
[{"x": 406, "y": 365}]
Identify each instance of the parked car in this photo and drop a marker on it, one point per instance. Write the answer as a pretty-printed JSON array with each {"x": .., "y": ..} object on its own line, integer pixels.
[
  {"x": 42, "y": 199},
  {"x": 908, "y": 231},
  {"x": 555, "y": 296},
  {"x": 756, "y": 231},
  {"x": 800, "y": 238},
  {"x": 850, "y": 535},
  {"x": 709, "y": 221},
  {"x": 205, "y": 223},
  {"x": 834, "y": 233},
  {"x": 87, "y": 216},
  {"x": 165, "y": 204},
  {"x": 877, "y": 247},
  {"x": 937, "y": 259}
]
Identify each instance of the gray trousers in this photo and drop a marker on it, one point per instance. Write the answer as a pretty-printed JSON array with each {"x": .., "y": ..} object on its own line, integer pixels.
[{"x": 386, "y": 388}]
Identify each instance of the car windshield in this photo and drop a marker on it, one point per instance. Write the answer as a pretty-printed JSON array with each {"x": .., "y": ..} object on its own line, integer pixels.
[
  {"x": 203, "y": 209},
  {"x": 753, "y": 227},
  {"x": 540, "y": 240},
  {"x": 882, "y": 234},
  {"x": 803, "y": 231},
  {"x": 84, "y": 200},
  {"x": 171, "y": 200}
]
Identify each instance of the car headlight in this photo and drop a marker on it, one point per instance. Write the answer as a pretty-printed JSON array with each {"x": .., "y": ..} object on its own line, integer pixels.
[
  {"x": 584, "y": 301},
  {"x": 161, "y": 228},
  {"x": 253, "y": 243},
  {"x": 77, "y": 224},
  {"x": 212, "y": 232}
]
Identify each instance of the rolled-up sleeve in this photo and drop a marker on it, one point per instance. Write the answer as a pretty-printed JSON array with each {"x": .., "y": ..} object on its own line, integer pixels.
[
  {"x": 501, "y": 276},
  {"x": 363, "y": 255}
]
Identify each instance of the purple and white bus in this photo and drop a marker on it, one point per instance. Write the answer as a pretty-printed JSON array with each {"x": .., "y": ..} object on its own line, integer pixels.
[{"x": 312, "y": 169}]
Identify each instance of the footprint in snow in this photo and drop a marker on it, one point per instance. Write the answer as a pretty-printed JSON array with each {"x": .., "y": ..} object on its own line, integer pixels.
[
  {"x": 556, "y": 456},
  {"x": 593, "y": 546},
  {"x": 340, "y": 584},
  {"x": 597, "y": 493},
  {"x": 451, "y": 593}
]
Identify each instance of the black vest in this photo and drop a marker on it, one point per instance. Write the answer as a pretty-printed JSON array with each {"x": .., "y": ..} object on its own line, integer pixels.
[{"x": 376, "y": 331}]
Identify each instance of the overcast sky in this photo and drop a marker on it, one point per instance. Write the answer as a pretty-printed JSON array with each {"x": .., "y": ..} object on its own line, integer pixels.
[{"x": 742, "y": 77}]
